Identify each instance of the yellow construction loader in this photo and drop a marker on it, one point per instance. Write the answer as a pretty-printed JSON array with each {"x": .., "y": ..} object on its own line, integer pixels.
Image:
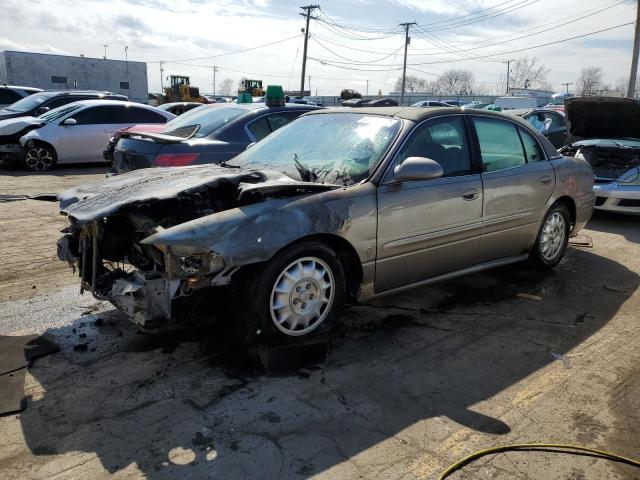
[{"x": 180, "y": 90}]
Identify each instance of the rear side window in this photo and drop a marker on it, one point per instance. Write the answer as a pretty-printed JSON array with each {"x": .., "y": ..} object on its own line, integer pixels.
[
  {"x": 59, "y": 101},
  {"x": 500, "y": 145},
  {"x": 279, "y": 120},
  {"x": 259, "y": 129},
  {"x": 532, "y": 148},
  {"x": 138, "y": 115},
  {"x": 7, "y": 97},
  {"x": 96, "y": 115}
]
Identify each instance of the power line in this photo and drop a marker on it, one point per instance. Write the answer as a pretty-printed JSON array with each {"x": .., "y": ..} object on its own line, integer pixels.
[
  {"x": 536, "y": 33},
  {"x": 351, "y": 60},
  {"x": 499, "y": 54},
  {"x": 228, "y": 53},
  {"x": 469, "y": 14},
  {"x": 594, "y": 10},
  {"x": 363, "y": 29}
]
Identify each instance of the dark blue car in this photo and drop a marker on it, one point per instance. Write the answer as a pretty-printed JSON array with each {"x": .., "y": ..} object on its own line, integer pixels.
[{"x": 208, "y": 134}]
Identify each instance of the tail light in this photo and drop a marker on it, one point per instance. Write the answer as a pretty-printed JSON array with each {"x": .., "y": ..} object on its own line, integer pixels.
[{"x": 175, "y": 159}]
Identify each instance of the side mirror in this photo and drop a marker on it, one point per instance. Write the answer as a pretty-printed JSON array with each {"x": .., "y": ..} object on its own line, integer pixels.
[
  {"x": 417, "y": 168},
  {"x": 42, "y": 110},
  {"x": 250, "y": 145},
  {"x": 69, "y": 122}
]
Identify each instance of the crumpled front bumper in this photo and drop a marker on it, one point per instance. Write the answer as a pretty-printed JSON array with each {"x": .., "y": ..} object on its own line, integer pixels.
[
  {"x": 10, "y": 153},
  {"x": 144, "y": 298}
]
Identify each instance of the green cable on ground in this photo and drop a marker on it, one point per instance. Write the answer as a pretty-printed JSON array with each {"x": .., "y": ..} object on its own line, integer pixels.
[{"x": 536, "y": 446}]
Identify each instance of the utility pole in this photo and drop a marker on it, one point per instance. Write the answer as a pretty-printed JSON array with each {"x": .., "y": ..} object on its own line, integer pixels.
[
  {"x": 567, "y": 85},
  {"x": 508, "y": 62},
  {"x": 308, "y": 9},
  {"x": 367, "y": 94},
  {"x": 309, "y": 85},
  {"x": 215, "y": 69},
  {"x": 407, "y": 40},
  {"x": 631, "y": 92},
  {"x": 105, "y": 50},
  {"x": 126, "y": 57},
  {"x": 161, "y": 76}
]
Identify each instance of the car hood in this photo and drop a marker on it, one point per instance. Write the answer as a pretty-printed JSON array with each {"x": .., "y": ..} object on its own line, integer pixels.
[
  {"x": 14, "y": 125},
  {"x": 602, "y": 117},
  {"x": 186, "y": 184}
]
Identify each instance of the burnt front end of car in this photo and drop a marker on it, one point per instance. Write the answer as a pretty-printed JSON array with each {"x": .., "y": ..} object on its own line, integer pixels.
[{"x": 143, "y": 281}]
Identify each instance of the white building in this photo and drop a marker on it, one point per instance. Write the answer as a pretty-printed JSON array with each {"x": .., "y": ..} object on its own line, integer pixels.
[{"x": 62, "y": 72}]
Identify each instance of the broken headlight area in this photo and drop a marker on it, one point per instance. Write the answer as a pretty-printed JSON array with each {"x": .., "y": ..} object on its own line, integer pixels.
[
  {"x": 140, "y": 280},
  {"x": 189, "y": 263}
]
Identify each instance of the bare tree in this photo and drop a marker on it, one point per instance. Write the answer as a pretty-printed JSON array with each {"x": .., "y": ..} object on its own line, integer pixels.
[
  {"x": 411, "y": 84},
  {"x": 589, "y": 80},
  {"x": 226, "y": 87},
  {"x": 455, "y": 82},
  {"x": 621, "y": 86},
  {"x": 528, "y": 72}
]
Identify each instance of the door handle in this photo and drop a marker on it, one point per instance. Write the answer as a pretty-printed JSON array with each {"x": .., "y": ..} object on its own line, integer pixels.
[
  {"x": 545, "y": 179},
  {"x": 470, "y": 194}
]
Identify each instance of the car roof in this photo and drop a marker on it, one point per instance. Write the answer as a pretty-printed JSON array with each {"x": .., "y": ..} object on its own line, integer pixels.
[
  {"x": 100, "y": 101},
  {"x": 415, "y": 114},
  {"x": 27, "y": 89},
  {"x": 79, "y": 92}
]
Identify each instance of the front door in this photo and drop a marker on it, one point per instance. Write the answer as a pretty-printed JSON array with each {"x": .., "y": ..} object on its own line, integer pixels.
[
  {"x": 86, "y": 140},
  {"x": 428, "y": 228},
  {"x": 517, "y": 181}
]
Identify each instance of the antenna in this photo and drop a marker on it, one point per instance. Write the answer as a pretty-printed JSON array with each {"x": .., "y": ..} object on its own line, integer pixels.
[{"x": 105, "y": 45}]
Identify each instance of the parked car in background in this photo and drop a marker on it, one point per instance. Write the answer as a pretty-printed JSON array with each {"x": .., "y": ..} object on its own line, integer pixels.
[
  {"x": 78, "y": 132},
  {"x": 308, "y": 218},
  {"x": 429, "y": 103},
  {"x": 178, "y": 108},
  {"x": 211, "y": 134},
  {"x": 477, "y": 105},
  {"x": 380, "y": 102},
  {"x": 550, "y": 123},
  {"x": 353, "y": 102},
  {"x": 11, "y": 94},
  {"x": 510, "y": 102},
  {"x": 347, "y": 94},
  {"x": 605, "y": 131},
  {"x": 454, "y": 103},
  {"x": 42, "y": 102}
]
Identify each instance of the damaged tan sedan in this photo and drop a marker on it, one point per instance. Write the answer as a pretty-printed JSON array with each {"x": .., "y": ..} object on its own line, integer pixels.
[{"x": 339, "y": 206}]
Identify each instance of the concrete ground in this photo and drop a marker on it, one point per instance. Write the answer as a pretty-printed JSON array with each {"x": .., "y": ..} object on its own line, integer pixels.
[{"x": 410, "y": 384}]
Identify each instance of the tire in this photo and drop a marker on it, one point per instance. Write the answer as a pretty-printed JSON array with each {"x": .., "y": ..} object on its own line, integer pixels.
[
  {"x": 40, "y": 157},
  {"x": 552, "y": 238},
  {"x": 297, "y": 292}
]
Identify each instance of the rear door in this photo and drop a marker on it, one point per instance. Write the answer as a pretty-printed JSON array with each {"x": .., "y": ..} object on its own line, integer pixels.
[
  {"x": 430, "y": 227},
  {"x": 517, "y": 182},
  {"x": 85, "y": 141}
]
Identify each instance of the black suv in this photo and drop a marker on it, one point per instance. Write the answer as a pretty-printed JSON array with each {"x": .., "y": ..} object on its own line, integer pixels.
[
  {"x": 42, "y": 102},
  {"x": 11, "y": 93}
]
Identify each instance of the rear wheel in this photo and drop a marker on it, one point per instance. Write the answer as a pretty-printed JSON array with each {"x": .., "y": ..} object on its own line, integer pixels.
[
  {"x": 40, "y": 157},
  {"x": 297, "y": 292},
  {"x": 553, "y": 237}
]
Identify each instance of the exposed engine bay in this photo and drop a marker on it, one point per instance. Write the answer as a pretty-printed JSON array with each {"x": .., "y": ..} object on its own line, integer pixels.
[
  {"x": 609, "y": 159},
  {"x": 111, "y": 219}
]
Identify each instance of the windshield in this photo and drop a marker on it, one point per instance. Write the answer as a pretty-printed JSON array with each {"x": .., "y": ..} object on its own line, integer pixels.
[
  {"x": 204, "y": 121},
  {"x": 329, "y": 148},
  {"x": 56, "y": 113},
  {"x": 29, "y": 103}
]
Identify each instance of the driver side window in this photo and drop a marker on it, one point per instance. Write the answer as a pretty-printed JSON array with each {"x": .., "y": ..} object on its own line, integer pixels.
[{"x": 443, "y": 140}]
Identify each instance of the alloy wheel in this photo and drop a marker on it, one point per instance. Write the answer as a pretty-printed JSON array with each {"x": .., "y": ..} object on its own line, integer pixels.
[
  {"x": 553, "y": 236},
  {"x": 302, "y": 296},
  {"x": 39, "y": 158}
]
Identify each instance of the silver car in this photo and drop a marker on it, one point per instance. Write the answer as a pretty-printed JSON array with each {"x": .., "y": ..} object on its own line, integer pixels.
[
  {"x": 78, "y": 132},
  {"x": 338, "y": 206}
]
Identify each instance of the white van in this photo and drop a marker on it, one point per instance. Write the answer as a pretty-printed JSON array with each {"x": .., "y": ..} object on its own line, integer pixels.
[{"x": 507, "y": 103}]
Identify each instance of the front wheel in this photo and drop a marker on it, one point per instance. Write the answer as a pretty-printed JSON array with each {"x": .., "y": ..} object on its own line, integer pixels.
[
  {"x": 40, "y": 158},
  {"x": 553, "y": 237},
  {"x": 296, "y": 293}
]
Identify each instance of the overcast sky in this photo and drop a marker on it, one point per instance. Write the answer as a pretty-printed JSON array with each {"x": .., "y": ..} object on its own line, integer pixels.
[{"x": 177, "y": 30}]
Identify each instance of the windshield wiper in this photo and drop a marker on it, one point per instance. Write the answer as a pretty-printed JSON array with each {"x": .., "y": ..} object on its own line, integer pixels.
[
  {"x": 225, "y": 164},
  {"x": 305, "y": 174}
]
